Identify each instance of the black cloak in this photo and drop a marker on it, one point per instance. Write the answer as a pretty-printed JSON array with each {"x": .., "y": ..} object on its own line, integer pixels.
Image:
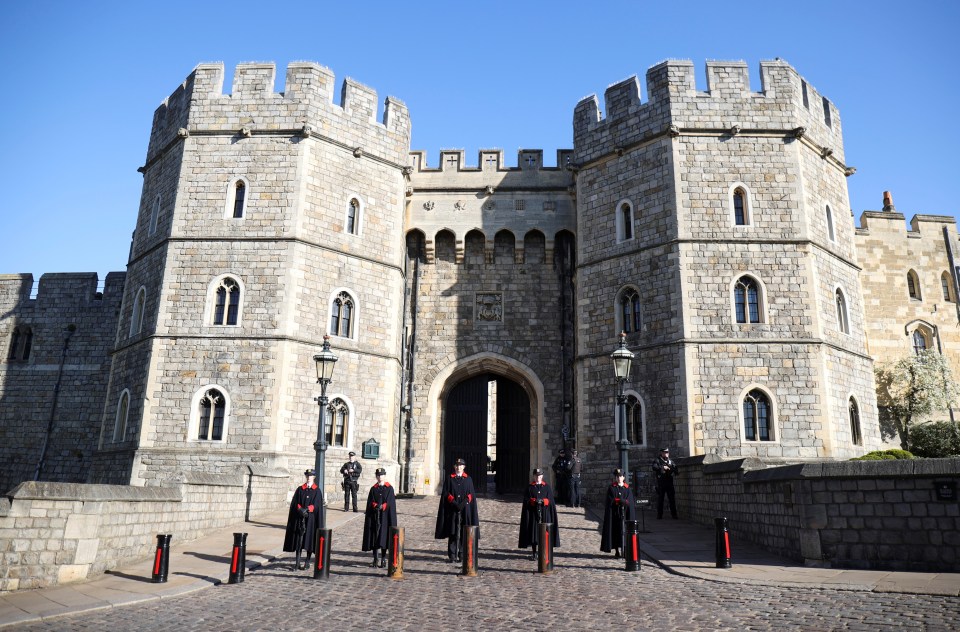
[
  {"x": 619, "y": 508},
  {"x": 538, "y": 499},
  {"x": 379, "y": 516},
  {"x": 303, "y": 498},
  {"x": 457, "y": 498}
]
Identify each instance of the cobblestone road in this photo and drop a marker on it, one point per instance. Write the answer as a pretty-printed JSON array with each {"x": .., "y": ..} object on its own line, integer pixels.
[{"x": 588, "y": 591}]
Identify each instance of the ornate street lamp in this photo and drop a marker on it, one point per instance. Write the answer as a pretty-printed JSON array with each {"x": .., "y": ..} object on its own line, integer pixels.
[
  {"x": 325, "y": 361},
  {"x": 622, "y": 361}
]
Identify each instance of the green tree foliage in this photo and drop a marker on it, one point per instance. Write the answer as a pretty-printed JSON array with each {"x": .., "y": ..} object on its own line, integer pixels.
[
  {"x": 884, "y": 455},
  {"x": 910, "y": 390},
  {"x": 935, "y": 440}
]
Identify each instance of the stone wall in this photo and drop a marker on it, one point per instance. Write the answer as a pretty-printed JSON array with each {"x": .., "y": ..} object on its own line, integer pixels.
[
  {"x": 54, "y": 533},
  {"x": 54, "y": 397},
  {"x": 853, "y": 514}
]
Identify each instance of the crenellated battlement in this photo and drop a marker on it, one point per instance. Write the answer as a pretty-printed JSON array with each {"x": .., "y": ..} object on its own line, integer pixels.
[
  {"x": 62, "y": 289},
  {"x": 304, "y": 107},
  {"x": 488, "y": 160},
  {"x": 728, "y": 104}
]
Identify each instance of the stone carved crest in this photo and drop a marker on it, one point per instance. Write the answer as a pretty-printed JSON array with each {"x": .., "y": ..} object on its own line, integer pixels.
[
  {"x": 428, "y": 206},
  {"x": 489, "y": 206},
  {"x": 489, "y": 307},
  {"x": 460, "y": 205}
]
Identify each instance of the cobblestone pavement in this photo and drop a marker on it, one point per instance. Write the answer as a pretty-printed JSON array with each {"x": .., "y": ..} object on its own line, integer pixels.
[{"x": 587, "y": 591}]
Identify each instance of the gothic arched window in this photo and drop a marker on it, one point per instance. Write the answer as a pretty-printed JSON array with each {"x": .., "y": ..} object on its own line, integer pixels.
[
  {"x": 20, "y": 343},
  {"x": 353, "y": 216},
  {"x": 136, "y": 318},
  {"x": 338, "y": 420},
  {"x": 635, "y": 432},
  {"x": 211, "y": 415},
  {"x": 120, "y": 421},
  {"x": 913, "y": 285},
  {"x": 341, "y": 315},
  {"x": 843, "y": 317},
  {"x": 757, "y": 416},
  {"x": 226, "y": 310},
  {"x": 631, "y": 319},
  {"x": 239, "y": 198},
  {"x": 855, "y": 437},
  {"x": 830, "y": 232},
  {"x": 746, "y": 295}
]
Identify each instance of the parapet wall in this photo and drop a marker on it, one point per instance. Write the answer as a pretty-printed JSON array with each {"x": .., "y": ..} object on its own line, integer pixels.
[
  {"x": 726, "y": 106},
  {"x": 55, "y": 533},
  {"x": 852, "y": 514},
  {"x": 304, "y": 107}
]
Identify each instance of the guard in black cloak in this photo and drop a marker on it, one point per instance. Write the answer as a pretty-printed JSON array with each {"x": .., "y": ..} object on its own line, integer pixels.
[
  {"x": 618, "y": 510},
  {"x": 458, "y": 507},
  {"x": 538, "y": 506},
  {"x": 380, "y": 515},
  {"x": 303, "y": 519}
]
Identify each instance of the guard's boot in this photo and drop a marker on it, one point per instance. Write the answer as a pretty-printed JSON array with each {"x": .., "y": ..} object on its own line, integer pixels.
[
  {"x": 383, "y": 560},
  {"x": 617, "y": 555},
  {"x": 306, "y": 561},
  {"x": 374, "y": 564}
]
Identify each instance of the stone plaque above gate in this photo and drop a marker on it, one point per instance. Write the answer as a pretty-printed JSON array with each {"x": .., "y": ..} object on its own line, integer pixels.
[{"x": 488, "y": 307}]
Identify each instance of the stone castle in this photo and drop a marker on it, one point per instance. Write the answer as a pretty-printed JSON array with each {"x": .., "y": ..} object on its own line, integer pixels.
[{"x": 474, "y": 308}]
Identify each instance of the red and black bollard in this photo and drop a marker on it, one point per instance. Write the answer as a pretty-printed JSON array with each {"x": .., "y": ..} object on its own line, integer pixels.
[
  {"x": 324, "y": 540},
  {"x": 161, "y": 561},
  {"x": 723, "y": 543},
  {"x": 238, "y": 559},
  {"x": 395, "y": 552},
  {"x": 545, "y": 549},
  {"x": 470, "y": 537},
  {"x": 631, "y": 545}
]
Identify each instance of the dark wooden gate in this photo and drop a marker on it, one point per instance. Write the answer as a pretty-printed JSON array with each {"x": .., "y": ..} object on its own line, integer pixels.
[
  {"x": 465, "y": 429},
  {"x": 513, "y": 437}
]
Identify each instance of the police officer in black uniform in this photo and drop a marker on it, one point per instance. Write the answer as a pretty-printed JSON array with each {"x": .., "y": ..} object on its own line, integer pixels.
[
  {"x": 351, "y": 481},
  {"x": 575, "y": 468},
  {"x": 665, "y": 469},
  {"x": 561, "y": 474}
]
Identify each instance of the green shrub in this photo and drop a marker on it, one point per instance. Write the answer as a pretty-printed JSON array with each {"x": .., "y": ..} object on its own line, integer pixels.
[
  {"x": 884, "y": 455},
  {"x": 935, "y": 440}
]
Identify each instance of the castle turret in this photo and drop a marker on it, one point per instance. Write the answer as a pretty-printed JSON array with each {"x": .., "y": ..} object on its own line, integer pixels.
[
  {"x": 267, "y": 220},
  {"x": 713, "y": 225}
]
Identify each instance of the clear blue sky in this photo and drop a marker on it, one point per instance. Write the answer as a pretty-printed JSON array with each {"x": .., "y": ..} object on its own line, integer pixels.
[{"x": 82, "y": 79}]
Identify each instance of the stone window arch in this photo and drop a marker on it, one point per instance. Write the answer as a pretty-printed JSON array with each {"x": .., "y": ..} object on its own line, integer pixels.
[
  {"x": 843, "y": 313},
  {"x": 21, "y": 342},
  {"x": 353, "y": 215},
  {"x": 226, "y": 300},
  {"x": 740, "y": 203},
  {"x": 748, "y": 300},
  {"x": 238, "y": 195},
  {"x": 922, "y": 339},
  {"x": 853, "y": 411},
  {"x": 446, "y": 246},
  {"x": 121, "y": 416},
  {"x": 913, "y": 286},
  {"x": 139, "y": 306},
  {"x": 338, "y": 425},
  {"x": 828, "y": 213},
  {"x": 474, "y": 244},
  {"x": 210, "y": 414},
  {"x": 624, "y": 221},
  {"x": 154, "y": 216},
  {"x": 636, "y": 420},
  {"x": 343, "y": 314},
  {"x": 758, "y": 415},
  {"x": 504, "y": 247},
  {"x": 534, "y": 247},
  {"x": 946, "y": 283},
  {"x": 629, "y": 312}
]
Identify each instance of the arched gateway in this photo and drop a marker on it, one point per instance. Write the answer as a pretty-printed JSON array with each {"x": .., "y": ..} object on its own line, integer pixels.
[
  {"x": 486, "y": 421},
  {"x": 488, "y": 410}
]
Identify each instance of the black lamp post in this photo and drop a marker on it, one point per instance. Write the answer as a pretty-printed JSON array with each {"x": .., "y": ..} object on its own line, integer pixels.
[
  {"x": 325, "y": 361},
  {"x": 622, "y": 361}
]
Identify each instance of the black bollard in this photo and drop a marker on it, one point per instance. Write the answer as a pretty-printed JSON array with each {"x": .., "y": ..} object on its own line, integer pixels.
[
  {"x": 470, "y": 536},
  {"x": 723, "y": 543},
  {"x": 238, "y": 559},
  {"x": 631, "y": 546},
  {"x": 323, "y": 542},
  {"x": 161, "y": 561},
  {"x": 395, "y": 551},
  {"x": 545, "y": 549}
]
